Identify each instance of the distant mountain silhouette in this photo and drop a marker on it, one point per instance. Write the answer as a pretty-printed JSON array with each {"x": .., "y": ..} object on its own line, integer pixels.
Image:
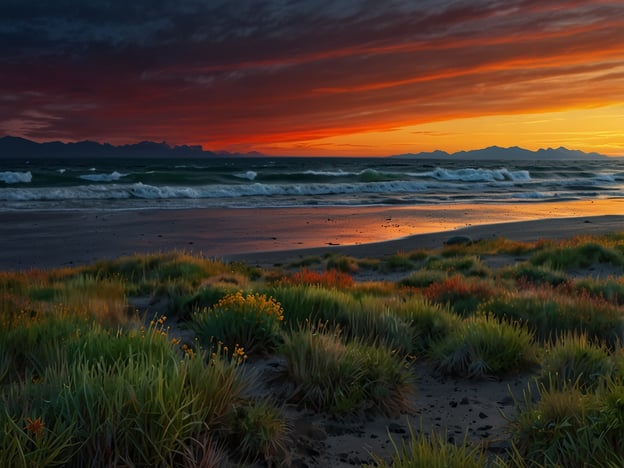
[
  {"x": 513, "y": 153},
  {"x": 21, "y": 148}
]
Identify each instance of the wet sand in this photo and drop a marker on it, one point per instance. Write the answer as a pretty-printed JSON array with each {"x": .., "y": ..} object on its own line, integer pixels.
[{"x": 269, "y": 236}]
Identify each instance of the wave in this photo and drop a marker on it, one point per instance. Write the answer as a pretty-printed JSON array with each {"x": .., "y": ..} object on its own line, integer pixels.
[
  {"x": 146, "y": 191},
  {"x": 113, "y": 176},
  {"x": 249, "y": 175},
  {"x": 10, "y": 177},
  {"x": 476, "y": 175},
  {"x": 338, "y": 173}
]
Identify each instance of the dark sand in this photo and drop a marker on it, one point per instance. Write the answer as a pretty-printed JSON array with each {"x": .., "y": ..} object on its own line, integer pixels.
[{"x": 271, "y": 236}]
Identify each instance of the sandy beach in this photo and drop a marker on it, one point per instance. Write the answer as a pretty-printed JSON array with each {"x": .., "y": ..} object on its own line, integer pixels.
[
  {"x": 269, "y": 236},
  {"x": 476, "y": 410}
]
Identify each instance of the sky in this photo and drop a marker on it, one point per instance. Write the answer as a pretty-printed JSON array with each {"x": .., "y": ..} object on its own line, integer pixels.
[{"x": 325, "y": 77}]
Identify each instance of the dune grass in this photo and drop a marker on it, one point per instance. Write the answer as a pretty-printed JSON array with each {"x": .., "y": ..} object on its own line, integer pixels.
[
  {"x": 344, "y": 377},
  {"x": 432, "y": 451},
  {"x": 85, "y": 380}
]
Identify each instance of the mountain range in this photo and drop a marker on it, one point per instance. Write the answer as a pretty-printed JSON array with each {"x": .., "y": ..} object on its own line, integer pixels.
[
  {"x": 21, "y": 148},
  {"x": 514, "y": 152}
]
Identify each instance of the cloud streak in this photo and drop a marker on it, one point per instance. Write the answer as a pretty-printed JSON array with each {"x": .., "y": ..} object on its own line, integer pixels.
[{"x": 248, "y": 73}]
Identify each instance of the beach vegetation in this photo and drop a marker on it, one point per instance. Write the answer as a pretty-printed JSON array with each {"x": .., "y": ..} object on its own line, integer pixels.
[
  {"x": 581, "y": 256},
  {"x": 429, "y": 323},
  {"x": 93, "y": 372},
  {"x": 418, "y": 255},
  {"x": 250, "y": 322},
  {"x": 306, "y": 262},
  {"x": 485, "y": 345},
  {"x": 342, "y": 378},
  {"x": 401, "y": 261},
  {"x": 568, "y": 427},
  {"x": 343, "y": 263},
  {"x": 305, "y": 303},
  {"x": 574, "y": 360},
  {"x": 376, "y": 322},
  {"x": 609, "y": 289},
  {"x": 537, "y": 275},
  {"x": 422, "y": 278},
  {"x": 466, "y": 265},
  {"x": 464, "y": 295},
  {"x": 327, "y": 279},
  {"x": 550, "y": 312},
  {"x": 419, "y": 450},
  {"x": 84, "y": 394}
]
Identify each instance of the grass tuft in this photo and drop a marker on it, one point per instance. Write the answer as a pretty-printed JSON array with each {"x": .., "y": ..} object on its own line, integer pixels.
[{"x": 485, "y": 345}]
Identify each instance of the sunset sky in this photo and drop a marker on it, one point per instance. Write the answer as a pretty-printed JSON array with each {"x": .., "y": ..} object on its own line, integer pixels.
[{"x": 327, "y": 77}]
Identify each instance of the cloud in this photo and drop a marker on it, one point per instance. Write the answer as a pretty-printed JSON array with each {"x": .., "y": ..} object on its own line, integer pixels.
[{"x": 224, "y": 73}]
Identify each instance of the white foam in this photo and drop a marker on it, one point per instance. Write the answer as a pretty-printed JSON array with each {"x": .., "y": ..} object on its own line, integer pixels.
[
  {"x": 338, "y": 173},
  {"x": 249, "y": 175},
  {"x": 476, "y": 175},
  {"x": 103, "y": 177},
  {"x": 9, "y": 177}
]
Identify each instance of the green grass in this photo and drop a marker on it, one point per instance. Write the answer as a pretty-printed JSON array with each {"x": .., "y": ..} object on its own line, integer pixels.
[
  {"x": 582, "y": 256},
  {"x": 248, "y": 321},
  {"x": 485, "y": 345},
  {"x": 567, "y": 427},
  {"x": 433, "y": 451},
  {"x": 86, "y": 381},
  {"x": 575, "y": 360},
  {"x": 550, "y": 312},
  {"x": 466, "y": 265},
  {"x": 342, "y": 378}
]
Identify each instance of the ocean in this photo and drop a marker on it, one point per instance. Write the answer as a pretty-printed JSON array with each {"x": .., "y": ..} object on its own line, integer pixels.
[{"x": 114, "y": 184}]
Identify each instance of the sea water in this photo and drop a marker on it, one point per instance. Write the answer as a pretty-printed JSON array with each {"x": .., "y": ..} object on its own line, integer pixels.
[{"x": 115, "y": 184}]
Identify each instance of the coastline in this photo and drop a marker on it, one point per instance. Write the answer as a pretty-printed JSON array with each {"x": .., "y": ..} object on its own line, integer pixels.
[{"x": 275, "y": 235}]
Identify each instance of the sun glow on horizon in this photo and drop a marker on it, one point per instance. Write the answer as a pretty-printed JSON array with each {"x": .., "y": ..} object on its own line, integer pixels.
[{"x": 590, "y": 130}]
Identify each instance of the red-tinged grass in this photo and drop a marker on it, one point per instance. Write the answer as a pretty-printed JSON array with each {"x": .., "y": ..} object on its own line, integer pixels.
[
  {"x": 549, "y": 312},
  {"x": 332, "y": 278},
  {"x": 464, "y": 295}
]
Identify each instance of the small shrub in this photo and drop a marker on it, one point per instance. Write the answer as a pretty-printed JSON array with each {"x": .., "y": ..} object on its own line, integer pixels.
[
  {"x": 251, "y": 321},
  {"x": 538, "y": 275},
  {"x": 325, "y": 379},
  {"x": 573, "y": 359},
  {"x": 428, "y": 323},
  {"x": 399, "y": 262},
  {"x": 483, "y": 345},
  {"x": 303, "y": 303},
  {"x": 259, "y": 431},
  {"x": 567, "y": 427},
  {"x": 423, "y": 279},
  {"x": 343, "y": 378},
  {"x": 373, "y": 322},
  {"x": 342, "y": 263},
  {"x": 468, "y": 266}
]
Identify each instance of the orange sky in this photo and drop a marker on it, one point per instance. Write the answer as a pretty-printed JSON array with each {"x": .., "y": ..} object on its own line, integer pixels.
[{"x": 319, "y": 77}]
